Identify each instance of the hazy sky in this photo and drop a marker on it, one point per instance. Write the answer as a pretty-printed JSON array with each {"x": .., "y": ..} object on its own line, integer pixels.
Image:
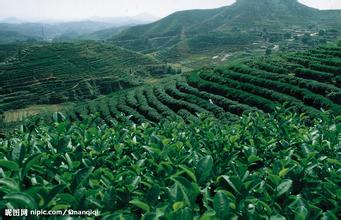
[{"x": 80, "y": 9}]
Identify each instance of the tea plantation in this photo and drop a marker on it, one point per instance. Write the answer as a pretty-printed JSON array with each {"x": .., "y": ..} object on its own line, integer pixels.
[
  {"x": 61, "y": 72},
  {"x": 307, "y": 81},
  {"x": 267, "y": 166},
  {"x": 212, "y": 144}
]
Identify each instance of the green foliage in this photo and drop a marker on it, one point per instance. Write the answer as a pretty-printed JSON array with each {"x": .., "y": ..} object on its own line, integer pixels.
[
  {"x": 61, "y": 72},
  {"x": 266, "y": 166},
  {"x": 295, "y": 92},
  {"x": 226, "y": 92}
]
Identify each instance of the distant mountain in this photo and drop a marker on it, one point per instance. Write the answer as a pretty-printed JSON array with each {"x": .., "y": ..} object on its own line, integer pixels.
[
  {"x": 122, "y": 21},
  {"x": 72, "y": 30},
  {"x": 186, "y": 28},
  {"x": 11, "y": 20},
  {"x": 50, "y": 31},
  {"x": 121, "y": 24}
]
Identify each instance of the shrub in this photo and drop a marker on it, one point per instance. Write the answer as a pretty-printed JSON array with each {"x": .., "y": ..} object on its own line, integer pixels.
[{"x": 266, "y": 166}]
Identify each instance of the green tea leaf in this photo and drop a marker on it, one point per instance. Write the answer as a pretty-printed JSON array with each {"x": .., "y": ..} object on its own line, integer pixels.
[
  {"x": 209, "y": 215},
  {"x": 150, "y": 216},
  {"x": 18, "y": 153},
  {"x": 152, "y": 194},
  {"x": 10, "y": 184},
  {"x": 32, "y": 160},
  {"x": 66, "y": 198},
  {"x": 81, "y": 176},
  {"x": 138, "y": 203},
  {"x": 178, "y": 205},
  {"x": 58, "y": 117},
  {"x": 338, "y": 194},
  {"x": 187, "y": 191},
  {"x": 204, "y": 168},
  {"x": 283, "y": 172},
  {"x": 253, "y": 158},
  {"x": 277, "y": 217},
  {"x": 10, "y": 165},
  {"x": 284, "y": 187},
  {"x": 189, "y": 172},
  {"x": 20, "y": 200},
  {"x": 183, "y": 214},
  {"x": 221, "y": 204},
  {"x": 53, "y": 192},
  {"x": 234, "y": 182}
]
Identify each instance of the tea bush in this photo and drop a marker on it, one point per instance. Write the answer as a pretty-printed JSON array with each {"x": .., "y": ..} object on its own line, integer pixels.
[{"x": 266, "y": 166}]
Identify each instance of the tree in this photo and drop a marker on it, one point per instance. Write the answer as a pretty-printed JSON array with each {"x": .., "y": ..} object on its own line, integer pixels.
[
  {"x": 323, "y": 40},
  {"x": 306, "y": 38},
  {"x": 268, "y": 51},
  {"x": 322, "y": 32}
]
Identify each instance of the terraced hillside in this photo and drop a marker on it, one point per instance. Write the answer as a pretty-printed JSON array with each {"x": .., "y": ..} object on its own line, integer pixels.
[
  {"x": 56, "y": 73},
  {"x": 307, "y": 81}
]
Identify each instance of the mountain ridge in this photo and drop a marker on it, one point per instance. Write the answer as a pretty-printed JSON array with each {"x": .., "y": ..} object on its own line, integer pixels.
[
  {"x": 250, "y": 14},
  {"x": 50, "y": 30}
]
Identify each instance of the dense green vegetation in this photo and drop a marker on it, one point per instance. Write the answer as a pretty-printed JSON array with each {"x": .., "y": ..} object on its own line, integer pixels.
[
  {"x": 225, "y": 93},
  {"x": 9, "y": 50},
  {"x": 265, "y": 166},
  {"x": 257, "y": 137},
  {"x": 8, "y": 37},
  {"x": 61, "y": 72}
]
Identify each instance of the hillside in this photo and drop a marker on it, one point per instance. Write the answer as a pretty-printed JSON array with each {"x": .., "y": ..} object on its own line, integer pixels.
[
  {"x": 101, "y": 35},
  {"x": 243, "y": 12},
  {"x": 56, "y": 73},
  {"x": 241, "y": 157},
  {"x": 148, "y": 154},
  {"x": 240, "y": 25},
  {"x": 9, "y": 50},
  {"x": 231, "y": 113},
  {"x": 307, "y": 81},
  {"x": 7, "y": 37}
]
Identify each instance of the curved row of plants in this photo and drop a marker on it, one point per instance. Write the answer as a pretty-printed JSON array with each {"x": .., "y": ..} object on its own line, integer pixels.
[{"x": 227, "y": 92}]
